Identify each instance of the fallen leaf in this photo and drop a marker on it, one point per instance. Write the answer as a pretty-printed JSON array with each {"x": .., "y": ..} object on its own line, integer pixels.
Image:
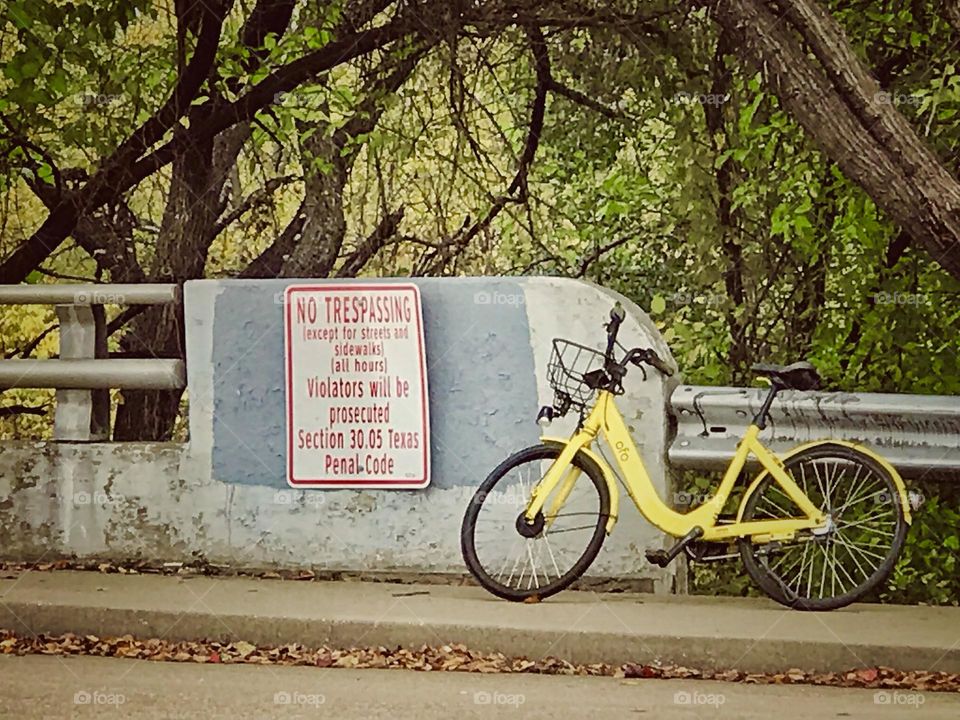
[{"x": 243, "y": 648}]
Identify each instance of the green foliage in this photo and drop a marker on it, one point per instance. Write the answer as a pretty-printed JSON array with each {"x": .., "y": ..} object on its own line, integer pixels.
[
  {"x": 693, "y": 192},
  {"x": 928, "y": 568}
]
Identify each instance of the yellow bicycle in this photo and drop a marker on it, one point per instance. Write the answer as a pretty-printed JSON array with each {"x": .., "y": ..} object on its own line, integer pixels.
[{"x": 817, "y": 529}]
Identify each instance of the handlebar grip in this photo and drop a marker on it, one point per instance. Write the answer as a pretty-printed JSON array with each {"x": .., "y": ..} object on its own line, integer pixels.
[
  {"x": 649, "y": 356},
  {"x": 617, "y": 316},
  {"x": 659, "y": 364},
  {"x": 618, "y": 313}
]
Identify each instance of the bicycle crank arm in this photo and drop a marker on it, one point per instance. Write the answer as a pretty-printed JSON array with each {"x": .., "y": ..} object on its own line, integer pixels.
[{"x": 665, "y": 557}]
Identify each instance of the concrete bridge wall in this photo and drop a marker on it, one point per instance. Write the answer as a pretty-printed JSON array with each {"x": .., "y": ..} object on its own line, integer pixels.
[{"x": 223, "y": 496}]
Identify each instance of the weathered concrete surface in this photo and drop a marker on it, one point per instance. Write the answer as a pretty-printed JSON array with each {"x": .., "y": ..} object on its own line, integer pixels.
[
  {"x": 224, "y": 496},
  {"x": 748, "y": 634},
  {"x": 48, "y": 687}
]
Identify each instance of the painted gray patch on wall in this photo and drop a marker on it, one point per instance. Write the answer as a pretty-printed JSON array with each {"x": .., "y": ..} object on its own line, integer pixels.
[{"x": 480, "y": 373}]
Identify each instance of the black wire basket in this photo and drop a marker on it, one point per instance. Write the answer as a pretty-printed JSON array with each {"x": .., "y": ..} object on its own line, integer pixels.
[{"x": 569, "y": 363}]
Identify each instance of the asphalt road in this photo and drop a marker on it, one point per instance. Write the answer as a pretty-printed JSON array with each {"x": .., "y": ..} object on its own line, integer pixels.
[{"x": 88, "y": 687}]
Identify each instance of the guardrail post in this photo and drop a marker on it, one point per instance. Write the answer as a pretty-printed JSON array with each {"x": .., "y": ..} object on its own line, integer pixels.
[{"x": 82, "y": 415}]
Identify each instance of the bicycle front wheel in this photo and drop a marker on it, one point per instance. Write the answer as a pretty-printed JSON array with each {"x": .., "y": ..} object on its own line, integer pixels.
[
  {"x": 515, "y": 562},
  {"x": 852, "y": 555}
]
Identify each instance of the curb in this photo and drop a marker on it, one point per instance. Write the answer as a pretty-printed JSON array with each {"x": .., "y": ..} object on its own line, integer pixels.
[{"x": 759, "y": 637}]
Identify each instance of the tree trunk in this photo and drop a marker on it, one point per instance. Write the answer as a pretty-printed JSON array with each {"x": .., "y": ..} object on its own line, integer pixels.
[
  {"x": 193, "y": 206},
  {"x": 322, "y": 224},
  {"x": 841, "y": 107}
]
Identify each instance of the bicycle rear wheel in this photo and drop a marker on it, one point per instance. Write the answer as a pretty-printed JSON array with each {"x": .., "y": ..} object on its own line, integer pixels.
[
  {"x": 513, "y": 566},
  {"x": 842, "y": 563}
]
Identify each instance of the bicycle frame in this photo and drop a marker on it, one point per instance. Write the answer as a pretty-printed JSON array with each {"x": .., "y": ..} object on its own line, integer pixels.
[{"x": 606, "y": 419}]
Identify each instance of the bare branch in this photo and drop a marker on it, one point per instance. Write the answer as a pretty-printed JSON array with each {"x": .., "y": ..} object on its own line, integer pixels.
[
  {"x": 581, "y": 99},
  {"x": 588, "y": 260},
  {"x": 10, "y": 410},
  {"x": 254, "y": 199},
  {"x": 32, "y": 345},
  {"x": 371, "y": 245},
  {"x": 517, "y": 191}
]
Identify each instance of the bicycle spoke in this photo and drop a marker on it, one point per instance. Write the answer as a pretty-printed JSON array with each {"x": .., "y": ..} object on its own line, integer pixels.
[
  {"x": 843, "y": 569},
  {"x": 830, "y": 475},
  {"x": 867, "y": 553},
  {"x": 816, "y": 474},
  {"x": 783, "y": 513},
  {"x": 513, "y": 569},
  {"x": 784, "y": 569},
  {"x": 506, "y": 560},
  {"x": 533, "y": 568},
  {"x": 846, "y": 546},
  {"x": 859, "y": 523},
  {"x": 823, "y": 575},
  {"x": 546, "y": 542},
  {"x": 573, "y": 529},
  {"x": 799, "y": 576},
  {"x": 526, "y": 566},
  {"x": 878, "y": 493},
  {"x": 853, "y": 482}
]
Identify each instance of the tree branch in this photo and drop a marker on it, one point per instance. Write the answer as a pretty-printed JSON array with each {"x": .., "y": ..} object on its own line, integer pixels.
[
  {"x": 517, "y": 190},
  {"x": 32, "y": 345},
  {"x": 581, "y": 99},
  {"x": 588, "y": 260},
  {"x": 211, "y": 14},
  {"x": 258, "y": 197},
  {"x": 11, "y": 410},
  {"x": 371, "y": 245}
]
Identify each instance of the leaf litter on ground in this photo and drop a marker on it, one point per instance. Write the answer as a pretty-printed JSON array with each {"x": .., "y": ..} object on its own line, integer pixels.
[{"x": 446, "y": 658}]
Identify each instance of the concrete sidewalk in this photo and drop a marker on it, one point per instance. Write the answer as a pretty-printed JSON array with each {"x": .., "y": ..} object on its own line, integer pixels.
[{"x": 747, "y": 634}]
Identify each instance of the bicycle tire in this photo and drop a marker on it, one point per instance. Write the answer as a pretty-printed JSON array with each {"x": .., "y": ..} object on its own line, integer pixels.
[
  {"x": 480, "y": 573},
  {"x": 757, "y": 566}
]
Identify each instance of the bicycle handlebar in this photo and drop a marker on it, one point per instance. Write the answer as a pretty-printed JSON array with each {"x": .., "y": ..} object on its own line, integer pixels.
[
  {"x": 650, "y": 357},
  {"x": 637, "y": 355}
]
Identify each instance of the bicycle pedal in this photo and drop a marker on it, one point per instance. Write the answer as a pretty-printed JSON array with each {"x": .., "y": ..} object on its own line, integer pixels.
[
  {"x": 658, "y": 557},
  {"x": 665, "y": 557}
]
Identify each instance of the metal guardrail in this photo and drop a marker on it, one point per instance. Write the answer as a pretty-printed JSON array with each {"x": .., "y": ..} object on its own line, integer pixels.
[
  {"x": 918, "y": 434},
  {"x": 96, "y": 374},
  {"x": 83, "y": 374},
  {"x": 90, "y": 294}
]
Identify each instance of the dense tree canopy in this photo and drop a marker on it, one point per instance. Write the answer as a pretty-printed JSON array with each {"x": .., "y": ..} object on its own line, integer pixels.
[{"x": 771, "y": 179}]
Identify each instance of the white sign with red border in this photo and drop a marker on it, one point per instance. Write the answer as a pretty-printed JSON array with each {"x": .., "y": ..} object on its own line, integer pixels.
[{"x": 356, "y": 380}]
